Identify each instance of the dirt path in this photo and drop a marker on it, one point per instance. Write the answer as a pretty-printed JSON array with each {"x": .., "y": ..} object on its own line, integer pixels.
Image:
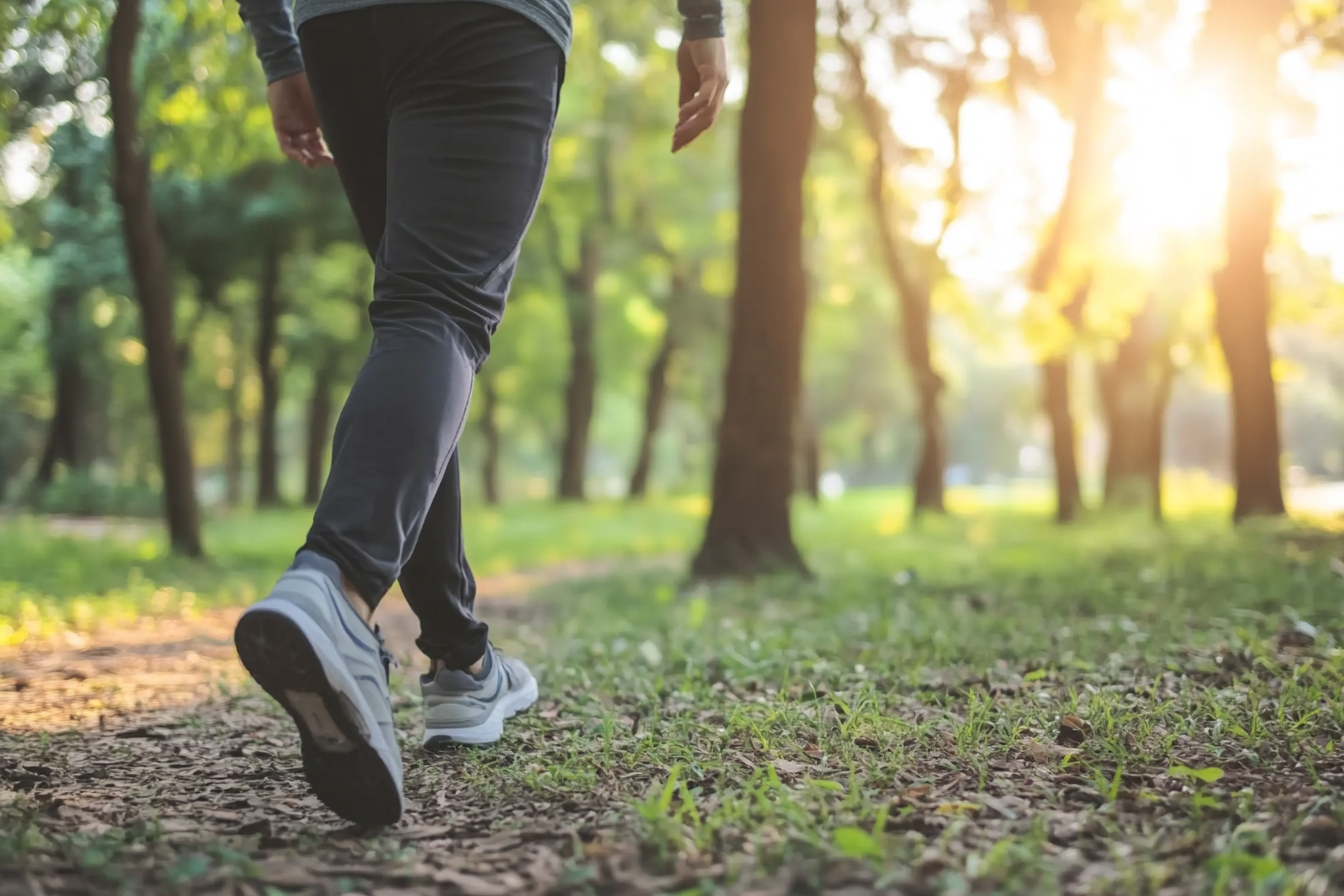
[
  {"x": 105, "y": 680},
  {"x": 138, "y": 761}
]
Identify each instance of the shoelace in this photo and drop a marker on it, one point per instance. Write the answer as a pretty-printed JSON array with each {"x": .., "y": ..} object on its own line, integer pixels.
[{"x": 389, "y": 661}]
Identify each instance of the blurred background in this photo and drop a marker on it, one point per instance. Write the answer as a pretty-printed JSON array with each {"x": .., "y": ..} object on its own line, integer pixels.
[{"x": 1015, "y": 214}]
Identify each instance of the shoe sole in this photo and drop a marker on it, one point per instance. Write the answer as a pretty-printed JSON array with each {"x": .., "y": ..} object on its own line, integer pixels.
[
  {"x": 284, "y": 653},
  {"x": 488, "y": 731}
]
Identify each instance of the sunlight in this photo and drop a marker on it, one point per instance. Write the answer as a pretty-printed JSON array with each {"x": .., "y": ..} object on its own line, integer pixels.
[{"x": 1171, "y": 176}]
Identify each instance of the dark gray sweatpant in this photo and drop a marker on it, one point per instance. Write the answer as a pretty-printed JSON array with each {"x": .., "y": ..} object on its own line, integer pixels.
[{"x": 439, "y": 117}]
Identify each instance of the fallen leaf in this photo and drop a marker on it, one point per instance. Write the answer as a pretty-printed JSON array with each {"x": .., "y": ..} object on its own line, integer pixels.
[
  {"x": 958, "y": 808},
  {"x": 918, "y": 792},
  {"x": 1072, "y": 731},
  {"x": 814, "y": 751},
  {"x": 1321, "y": 831},
  {"x": 788, "y": 768}
]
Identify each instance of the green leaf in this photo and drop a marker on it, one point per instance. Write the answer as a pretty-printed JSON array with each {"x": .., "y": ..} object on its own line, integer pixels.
[
  {"x": 826, "y": 785},
  {"x": 857, "y": 843},
  {"x": 1207, "y": 775},
  {"x": 1037, "y": 675}
]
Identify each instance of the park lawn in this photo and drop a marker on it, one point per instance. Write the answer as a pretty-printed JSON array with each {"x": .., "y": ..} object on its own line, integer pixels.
[
  {"x": 981, "y": 704},
  {"x": 50, "y": 582}
]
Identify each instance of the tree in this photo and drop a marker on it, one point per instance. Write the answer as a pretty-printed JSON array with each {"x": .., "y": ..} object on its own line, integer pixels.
[
  {"x": 683, "y": 282},
  {"x": 1239, "y": 46},
  {"x": 1134, "y": 386},
  {"x": 1079, "y": 50},
  {"x": 153, "y": 285},
  {"x": 84, "y": 253},
  {"x": 911, "y": 282},
  {"x": 749, "y": 529}
]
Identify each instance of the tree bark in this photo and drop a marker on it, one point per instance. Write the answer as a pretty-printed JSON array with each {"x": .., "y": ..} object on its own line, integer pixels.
[
  {"x": 490, "y": 433},
  {"x": 268, "y": 318},
  {"x": 809, "y": 457},
  {"x": 913, "y": 292},
  {"x": 153, "y": 285},
  {"x": 1132, "y": 389},
  {"x": 66, "y": 441},
  {"x": 233, "y": 449},
  {"x": 655, "y": 399},
  {"x": 1055, "y": 370},
  {"x": 1058, "y": 403},
  {"x": 581, "y": 389},
  {"x": 1240, "y": 37},
  {"x": 319, "y": 429},
  {"x": 749, "y": 529}
]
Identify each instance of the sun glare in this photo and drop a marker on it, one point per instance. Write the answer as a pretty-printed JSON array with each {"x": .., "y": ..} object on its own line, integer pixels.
[{"x": 1171, "y": 176}]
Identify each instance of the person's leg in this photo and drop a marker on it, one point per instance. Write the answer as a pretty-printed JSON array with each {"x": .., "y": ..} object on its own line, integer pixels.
[
  {"x": 470, "y": 93},
  {"x": 438, "y": 583}
]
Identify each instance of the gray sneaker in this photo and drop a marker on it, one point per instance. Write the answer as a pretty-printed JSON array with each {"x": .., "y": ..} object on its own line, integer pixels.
[
  {"x": 310, "y": 650},
  {"x": 461, "y": 708}
]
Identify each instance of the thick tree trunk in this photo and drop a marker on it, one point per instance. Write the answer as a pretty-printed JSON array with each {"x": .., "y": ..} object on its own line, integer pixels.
[
  {"x": 153, "y": 285},
  {"x": 268, "y": 319},
  {"x": 581, "y": 389},
  {"x": 655, "y": 400},
  {"x": 490, "y": 433},
  {"x": 1240, "y": 36},
  {"x": 66, "y": 437},
  {"x": 319, "y": 430},
  {"x": 913, "y": 291},
  {"x": 1131, "y": 387},
  {"x": 749, "y": 529}
]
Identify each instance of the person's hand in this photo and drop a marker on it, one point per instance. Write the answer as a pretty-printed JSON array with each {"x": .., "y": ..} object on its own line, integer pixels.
[
  {"x": 294, "y": 116},
  {"x": 703, "y": 66}
]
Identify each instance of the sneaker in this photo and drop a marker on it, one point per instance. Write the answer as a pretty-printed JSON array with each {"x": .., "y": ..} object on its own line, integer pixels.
[
  {"x": 308, "y": 648},
  {"x": 462, "y": 708}
]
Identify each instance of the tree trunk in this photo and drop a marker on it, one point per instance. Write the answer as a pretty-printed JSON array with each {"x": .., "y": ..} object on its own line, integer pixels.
[
  {"x": 809, "y": 460},
  {"x": 1166, "y": 379},
  {"x": 581, "y": 390},
  {"x": 655, "y": 399},
  {"x": 268, "y": 318},
  {"x": 153, "y": 285},
  {"x": 319, "y": 429},
  {"x": 913, "y": 292},
  {"x": 749, "y": 529},
  {"x": 1058, "y": 403},
  {"x": 233, "y": 449},
  {"x": 66, "y": 442},
  {"x": 1055, "y": 370},
  {"x": 490, "y": 433},
  {"x": 1131, "y": 387},
  {"x": 1243, "y": 33}
]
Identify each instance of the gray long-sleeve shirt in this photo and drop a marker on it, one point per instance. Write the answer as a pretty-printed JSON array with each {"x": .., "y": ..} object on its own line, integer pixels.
[{"x": 273, "y": 29}]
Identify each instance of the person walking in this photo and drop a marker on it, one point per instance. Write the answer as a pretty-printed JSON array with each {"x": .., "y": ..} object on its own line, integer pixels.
[{"x": 437, "y": 115}]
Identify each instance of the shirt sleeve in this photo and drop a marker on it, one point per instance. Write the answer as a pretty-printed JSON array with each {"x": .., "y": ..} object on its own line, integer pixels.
[
  {"x": 704, "y": 18},
  {"x": 273, "y": 33}
]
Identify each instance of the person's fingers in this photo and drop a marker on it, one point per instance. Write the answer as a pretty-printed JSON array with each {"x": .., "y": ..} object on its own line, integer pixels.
[
  {"x": 318, "y": 154},
  {"x": 704, "y": 114},
  {"x": 697, "y": 103},
  {"x": 290, "y": 147}
]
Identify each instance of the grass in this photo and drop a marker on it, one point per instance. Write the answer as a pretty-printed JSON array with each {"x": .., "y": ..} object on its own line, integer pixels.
[{"x": 980, "y": 704}]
